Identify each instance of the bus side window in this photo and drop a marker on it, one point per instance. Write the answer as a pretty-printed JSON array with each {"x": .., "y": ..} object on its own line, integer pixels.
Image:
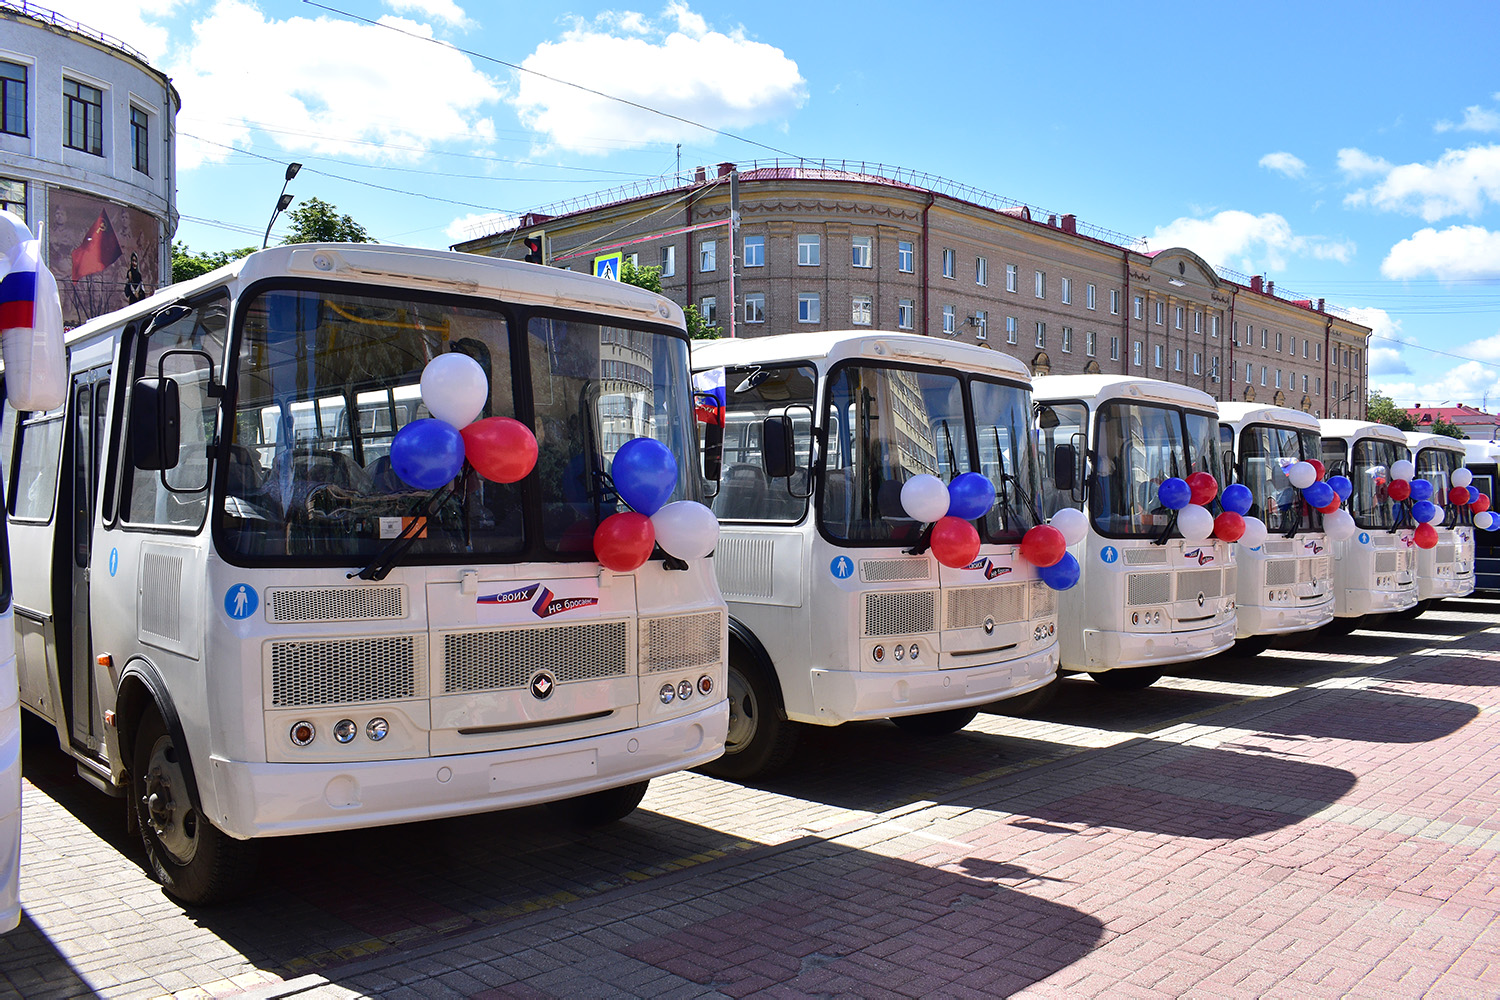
[{"x": 38, "y": 455}]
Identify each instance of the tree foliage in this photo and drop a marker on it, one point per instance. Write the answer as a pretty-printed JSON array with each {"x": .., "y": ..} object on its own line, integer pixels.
[
  {"x": 1383, "y": 410},
  {"x": 186, "y": 264},
  {"x": 649, "y": 278},
  {"x": 316, "y": 221},
  {"x": 1445, "y": 428}
]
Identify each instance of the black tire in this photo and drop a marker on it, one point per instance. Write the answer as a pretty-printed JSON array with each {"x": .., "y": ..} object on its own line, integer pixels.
[
  {"x": 760, "y": 741},
  {"x": 1340, "y": 626},
  {"x": 600, "y": 808},
  {"x": 1127, "y": 678},
  {"x": 1250, "y": 646},
  {"x": 1029, "y": 703},
  {"x": 195, "y": 862},
  {"x": 936, "y": 723}
]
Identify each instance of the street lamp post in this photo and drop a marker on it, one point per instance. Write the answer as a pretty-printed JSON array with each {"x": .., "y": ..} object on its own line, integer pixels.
[{"x": 282, "y": 203}]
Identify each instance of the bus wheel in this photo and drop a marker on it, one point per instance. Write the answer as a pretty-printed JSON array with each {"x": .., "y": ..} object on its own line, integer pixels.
[
  {"x": 936, "y": 723},
  {"x": 760, "y": 742},
  {"x": 1252, "y": 645},
  {"x": 194, "y": 861},
  {"x": 1029, "y": 703},
  {"x": 1340, "y": 626},
  {"x": 600, "y": 808},
  {"x": 1127, "y": 679}
]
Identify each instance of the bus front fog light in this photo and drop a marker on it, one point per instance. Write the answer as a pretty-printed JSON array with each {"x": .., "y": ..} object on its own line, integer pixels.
[
  {"x": 684, "y": 690},
  {"x": 914, "y": 651},
  {"x": 705, "y": 684},
  {"x": 376, "y": 729},
  {"x": 666, "y": 694},
  {"x": 345, "y": 730},
  {"x": 899, "y": 652},
  {"x": 878, "y": 653},
  {"x": 302, "y": 733}
]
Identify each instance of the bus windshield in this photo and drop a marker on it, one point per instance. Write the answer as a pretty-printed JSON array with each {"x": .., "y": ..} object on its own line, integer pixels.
[
  {"x": 1265, "y": 453},
  {"x": 1137, "y": 446},
  {"x": 1369, "y": 471},
  {"x": 1002, "y": 418},
  {"x": 326, "y": 379},
  {"x": 1438, "y": 465}
]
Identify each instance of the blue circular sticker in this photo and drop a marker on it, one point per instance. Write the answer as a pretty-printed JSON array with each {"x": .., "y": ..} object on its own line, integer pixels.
[
  {"x": 114, "y": 561},
  {"x": 240, "y": 601},
  {"x": 1109, "y": 554},
  {"x": 1364, "y": 538},
  {"x": 842, "y": 567}
]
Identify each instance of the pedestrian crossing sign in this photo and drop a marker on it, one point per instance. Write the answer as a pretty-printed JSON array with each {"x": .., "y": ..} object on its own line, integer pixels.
[{"x": 608, "y": 266}]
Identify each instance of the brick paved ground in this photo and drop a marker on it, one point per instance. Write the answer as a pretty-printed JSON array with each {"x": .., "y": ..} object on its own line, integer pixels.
[{"x": 1322, "y": 821}]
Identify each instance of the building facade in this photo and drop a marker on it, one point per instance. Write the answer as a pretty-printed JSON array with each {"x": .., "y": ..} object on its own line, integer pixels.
[
  {"x": 821, "y": 248},
  {"x": 87, "y": 157}
]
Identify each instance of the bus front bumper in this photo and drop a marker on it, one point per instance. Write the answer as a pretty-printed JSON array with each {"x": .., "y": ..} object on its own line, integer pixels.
[
  {"x": 851, "y": 695},
  {"x": 1109, "y": 650},
  {"x": 1434, "y": 587},
  {"x": 1252, "y": 619},
  {"x": 273, "y": 800},
  {"x": 1379, "y": 602}
]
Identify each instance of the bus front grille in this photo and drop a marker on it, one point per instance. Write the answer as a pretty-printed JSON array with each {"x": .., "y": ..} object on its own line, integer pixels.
[
  {"x": 1281, "y": 572},
  {"x": 970, "y": 606},
  {"x": 1148, "y": 588},
  {"x": 334, "y": 604},
  {"x": 899, "y": 613},
  {"x": 497, "y": 660},
  {"x": 308, "y": 672},
  {"x": 1208, "y": 582},
  {"x": 682, "y": 641}
]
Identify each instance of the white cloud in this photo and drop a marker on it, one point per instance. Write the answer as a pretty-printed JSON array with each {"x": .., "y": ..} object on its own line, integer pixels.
[
  {"x": 134, "y": 22},
  {"x": 1470, "y": 382},
  {"x": 1455, "y": 253},
  {"x": 1388, "y": 361},
  {"x": 443, "y": 10},
  {"x": 475, "y": 225},
  {"x": 1248, "y": 242},
  {"x": 1476, "y": 119},
  {"x": 330, "y": 86},
  {"x": 1284, "y": 163},
  {"x": 682, "y": 67},
  {"x": 1385, "y": 342},
  {"x": 1458, "y": 183}
]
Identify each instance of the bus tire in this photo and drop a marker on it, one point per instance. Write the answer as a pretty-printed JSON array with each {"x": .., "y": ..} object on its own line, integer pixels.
[
  {"x": 1252, "y": 645},
  {"x": 1127, "y": 679},
  {"x": 761, "y": 741},
  {"x": 1340, "y": 626},
  {"x": 600, "y": 808},
  {"x": 936, "y": 723},
  {"x": 195, "y": 862},
  {"x": 1030, "y": 703}
]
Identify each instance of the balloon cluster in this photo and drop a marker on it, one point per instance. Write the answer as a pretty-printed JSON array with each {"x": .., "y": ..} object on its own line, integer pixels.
[
  {"x": 1190, "y": 498},
  {"x": 1325, "y": 494},
  {"x": 949, "y": 509},
  {"x": 644, "y": 472},
  {"x": 431, "y": 452},
  {"x": 1040, "y": 544}
]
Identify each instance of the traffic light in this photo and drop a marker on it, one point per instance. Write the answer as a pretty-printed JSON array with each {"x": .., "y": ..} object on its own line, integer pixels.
[{"x": 536, "y": 252}]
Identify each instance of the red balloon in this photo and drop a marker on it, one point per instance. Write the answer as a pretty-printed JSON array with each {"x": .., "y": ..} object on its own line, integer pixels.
[
  {"x": 1426, "y": 536},
  {"x": 1400, "y": 489},
  {"x": 624, "y": 541},
  {"x": 1481, "y": 505},
  {"x": 1229, "y": 526},
  {"x": 1318, "y": 467},
  {"x": 1043, "y": 546},
  {"x": 1330, "y": 508},
  {"x": 501, "y": 450},
  {"x": 955, "y": 541},
  {"x": 1459, "y": 494},
  {"x": 1204, "y": 488}
]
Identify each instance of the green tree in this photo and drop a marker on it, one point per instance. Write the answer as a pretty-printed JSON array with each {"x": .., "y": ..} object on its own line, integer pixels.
[
  {"x": 316, "y": 221},
  {"x": 1443, "y": 427},
  {"x": 1383, "y": 410},
  {"x": 649, "y": 278},
  {"x": 186, "y": 264}
]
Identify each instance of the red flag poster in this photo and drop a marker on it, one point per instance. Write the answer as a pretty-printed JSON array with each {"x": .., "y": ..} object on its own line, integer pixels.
[{"x": 98, "y": 250}]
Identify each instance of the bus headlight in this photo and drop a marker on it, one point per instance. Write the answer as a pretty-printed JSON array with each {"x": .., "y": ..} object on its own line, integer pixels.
[
  {"x": 667, "y": 693},
  {"x": 345, "y": 730},
  {"x": 899, "y": 652},
  {"x": 376, "y": 729},
  {"x": 914, "y": 651},
  {"x": 878, "y": 653},
  {"x": 684, "y": 690},
  {"x": 302, "y": 733}
]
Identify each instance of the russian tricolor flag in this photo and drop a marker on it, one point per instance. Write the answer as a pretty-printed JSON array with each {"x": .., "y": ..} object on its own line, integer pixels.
[
  {"x": 18, "y": 290},
  {"x": 709, "y": 396}
]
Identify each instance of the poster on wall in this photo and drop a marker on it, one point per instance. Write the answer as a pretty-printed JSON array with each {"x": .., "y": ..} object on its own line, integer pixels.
[{"x": 103, "y": 254}]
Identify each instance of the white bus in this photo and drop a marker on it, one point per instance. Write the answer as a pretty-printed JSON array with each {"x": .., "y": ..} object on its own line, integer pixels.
[
  {"x": 839, "y": 611},
  {"x": 1375, "y": 571},
  {"x": 1447, "y": 569},
  {"x": 1483, "y": 459},
  {"x": 1285, "y": 585},
  {"x": 1149, "y": 597},
  {"x": 237, "y": 615}
]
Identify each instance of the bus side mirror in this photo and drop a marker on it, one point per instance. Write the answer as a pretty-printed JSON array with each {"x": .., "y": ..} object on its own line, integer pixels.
[
  {"x": 155, "y": 424},
  {"x": 777, "y": 454},
  {"x": 1064, "y": 465},
  {"x": 713, "y": 452}
]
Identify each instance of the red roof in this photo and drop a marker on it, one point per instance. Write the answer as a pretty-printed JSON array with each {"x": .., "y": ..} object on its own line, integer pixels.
[{"x": 1462, "y": 416}]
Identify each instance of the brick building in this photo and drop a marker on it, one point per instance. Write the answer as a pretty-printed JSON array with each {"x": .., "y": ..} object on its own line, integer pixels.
[{"x": 820, "y": 247}]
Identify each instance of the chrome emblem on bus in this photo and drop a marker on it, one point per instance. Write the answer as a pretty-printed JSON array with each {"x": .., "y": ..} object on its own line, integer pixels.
[
  {"x": 542, "y": 685},
  {"x": 989, "y": 626}
]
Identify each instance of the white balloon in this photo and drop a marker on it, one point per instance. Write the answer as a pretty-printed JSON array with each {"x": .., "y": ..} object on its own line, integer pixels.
[
  {"x": 1195, "y": 522},
  {"x": 1302, "y": 475},
  {"x": 1483, "y": 520},
  {"x": 1255, "y": 533},
  {"x": 686, "y": 529},
  {"x": 1462, "y": 477},
  {"x": 1437, "y": 516},
  {"x": 1339, "y": 525},
  {"x": 924, "y": 497},
  {"x": 454, "y": 388},
  {"x": 1403, "y": 469},
  {"x": 1073, "y": 523}
]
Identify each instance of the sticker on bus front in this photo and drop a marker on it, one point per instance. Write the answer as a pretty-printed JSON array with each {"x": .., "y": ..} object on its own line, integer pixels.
[{"x": 240, "y": 601}]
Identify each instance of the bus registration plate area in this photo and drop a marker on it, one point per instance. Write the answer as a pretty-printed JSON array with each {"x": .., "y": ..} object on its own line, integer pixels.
[{"x": 552, "y": 769}]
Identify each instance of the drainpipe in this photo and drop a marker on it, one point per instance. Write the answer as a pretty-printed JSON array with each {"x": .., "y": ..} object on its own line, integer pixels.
[
  {"x": 1125, "y": 308},
  {"x": 926, "y": 263},
  {"x": 687, "y": 208},
  {"x": 1233, "y": 295},
  {"x": 1327, "y": 350}
]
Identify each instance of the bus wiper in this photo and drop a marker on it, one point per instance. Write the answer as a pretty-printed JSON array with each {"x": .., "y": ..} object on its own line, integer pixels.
[
  {"x": 1166, "y": 532},
  {"x": 410, "y": 532},
  {"x": 948, "y": 439}
]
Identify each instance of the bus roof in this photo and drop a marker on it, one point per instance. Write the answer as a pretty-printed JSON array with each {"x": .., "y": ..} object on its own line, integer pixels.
[
  {"x": 1350, "y": 429},
  {"x": 838, "y": 345},
  {"x": 1481, "y": 451},
  {"x": 418, "y": 269},
  {"x": 1244, "y": 414},
  {"x": 1102, "y": 387},
  {"x": 1416, "y": 440}
]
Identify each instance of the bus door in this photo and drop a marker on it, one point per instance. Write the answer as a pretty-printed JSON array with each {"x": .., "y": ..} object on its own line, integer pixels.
[{"x": 75, "y": 529}]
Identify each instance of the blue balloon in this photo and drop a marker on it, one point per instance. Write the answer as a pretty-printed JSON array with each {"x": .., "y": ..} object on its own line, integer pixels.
[
  {"x": 1062, "y": 574},
  {"x": 1422, "y": 489},
  {"x": 1319, "y": 494},
  {"x": 1473, "y": 493},
  {"x": 645, "y": 474},
  {"x": 1342, "y": 486},
  {"x": 1237, "y": 499},
  {"x": 1174, "y": 493},
  {"x": 970, "y": 496},
  {"x": 427, "y": 453},
  {"x": 1423, "y": 511}
]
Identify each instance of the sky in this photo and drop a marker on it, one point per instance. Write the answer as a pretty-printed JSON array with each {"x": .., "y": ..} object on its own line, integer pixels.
[{"x": 1347, "y": 151}]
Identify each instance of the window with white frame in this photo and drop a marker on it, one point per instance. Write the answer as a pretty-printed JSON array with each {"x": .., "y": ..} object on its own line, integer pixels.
[
  {"x": 1041, "y": 284},
  {"x": 1177, "y": 360},
  {"x": 1041, "y": 334},
  {"x": 905, "y": 258},
  {"x": 634, "y": 259},
  {"x": 13, "y": 197},
  {"x": 981, "y": 271},
  {"x": 708, "y": 255},
  {"x": 981, "y": 325},
  {"x": 1249, "y": 373},
  {"x": 755, "y": 251},
  {"x": 948, "y": 264},
  {"x": 1090, "y": 296},
  {"x": 1159, "y": 355},
  {"x": 809, "y": 308},
  {"x": 1067, "y": 291},
  {"x": 668, "y": 261},
  {"x": 1278, "y": 378},
  {"x": 950, "y": 320},
  {"x": 1091, "y": 343},
  {"x": 1114, "y": 348},
  {"x": 1304, "y": 383},
  {"x": 1180, "y": 311},
  {"x": 1139, "y": 305},
  {"x": 708, "y": 308},
  {"x": 1318, "y": 385},
  {"x": 1278, "y": 343},
  {"x": 1114, "y": 302},
  {"x": 906, "y": 314},
  {"x": 1294, "y": 345},
  {"x": 1012, "y": 278},
  {"x": 1213, "y": 324},
  {"x": 755, "y": 307},
  {"x": 1197, "y": 321},
  {"x": 1262, "y": 374},
  {"x": 1010, "y": 329},
  {"x": 1197, "y": 363},
  {"x": 1265, "y": 336},
  {"x": 1135, "y": 353},
  {"x": 862, "y": 312},
  {"x": 1213, "y": 368},
  {"x": 1304, "y": 347},
  {"x": 1161, "y": 313},
  {"x": 861, "y": 252},
  {"x": 809, "y": 250},
  {"x": 1067, "y": 343},
  {"x": 1317, "y": 352}
]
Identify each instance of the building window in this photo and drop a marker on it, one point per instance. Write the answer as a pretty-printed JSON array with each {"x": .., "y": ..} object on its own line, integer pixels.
[
  {"x": 1318, "y": 385},
  {"x": 1114, "y": 348},
  {"x": 668, "y": 261},
  {"x": 1067, "y": 291},
  {"x": 1249, "y": 373},
  {"x": 950, "y": 320},
  {"x": 1317, "y": 352},
  {"x": 947, "y": 263},
  {"x": 633, "y": 259},
  {"x": 1304, "y": 347},
  {"x": 755, "y": 307},
  {"x": 981, "y": 271},
  {"x": 1278, "y": 378},
  {"x": 1213, "y": 323},
  {"x": 906, "y": 314},
  {"x": 708, "y": 255},
  {"x": 860, "y": 254},
  {"x": 13, "y": 197},
  {"x": 83, "y": 117},
  {"x": 1012, "y": 278},
  {"x": 1177, "y": 316},
  {"x": 755, "y": 251},
  {"x": 1041, "y": 284},
  {"x": 1294, "y": 345},
  {"x": 1090, "y": 296},
  {"x": 981, "y": 325},
  {"x": 1135, "y": 353},
  {"x": 1010, "y": 329},
  {"x": 708, "y": 308},
  {"x": 1262, "y": 374},
  {"x": 809, "y": 250},
  {"x": 1197, "y": 363},
  {"x": 1139, "y": 305},
  {"x": 1278, "y": 343},
  {"x": 1177, "y": 360},
  {"x": 139, "y": 140},
  {"x": 904, "y": 257},
  {"x": 1304, "y": 383},
  {"x": 1265, "y": 335},
  {"x": 1091, "y": 343},
  {"x": 13, "y": 98},
  {"x": 1213, "y": 368},
  {"x": 808, "y": 308},
  {"x": 863, "y": 311},
  {"x": 1041, "y": 334},
  {"x": 1159, "y": 355},
  {"x": 1161, "y": 313},
  {"x": 1114, "y": 302},
  {"x": 1067, "y": 344}
]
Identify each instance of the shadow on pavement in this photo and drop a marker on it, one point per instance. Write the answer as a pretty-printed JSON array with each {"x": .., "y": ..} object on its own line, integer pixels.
[
  {"x": 1370, "y": 716},
  {"x": 1469, "y": 605},
  {"x": 1459, "y": 671},
  {"x": 1427, "y": 625}
]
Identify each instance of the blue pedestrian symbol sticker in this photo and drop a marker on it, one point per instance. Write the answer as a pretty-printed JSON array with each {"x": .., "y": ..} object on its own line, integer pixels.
[
  {"x": 114, "y": 561},
  {"x": 842, "y": 567},
  {"x": 1364, "y": 538},
  {"x": 1109, "y": 554},
  {"x": 240, "y": 601}
]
